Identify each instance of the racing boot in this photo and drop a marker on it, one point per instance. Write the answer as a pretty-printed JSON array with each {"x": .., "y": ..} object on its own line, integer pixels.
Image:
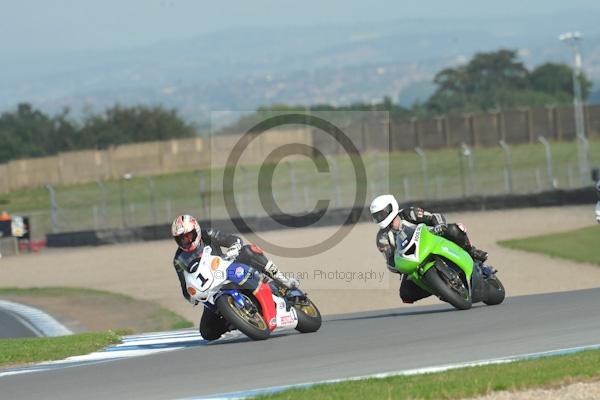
[{"x": 277, "y": 275}]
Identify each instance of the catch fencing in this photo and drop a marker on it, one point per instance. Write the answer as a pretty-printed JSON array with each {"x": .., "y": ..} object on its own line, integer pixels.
[{"x": 418, "y": 175}]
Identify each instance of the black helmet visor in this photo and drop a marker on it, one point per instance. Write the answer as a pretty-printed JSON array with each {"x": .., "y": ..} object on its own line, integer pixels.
[
  {"x": 382, "y": 214},
  {"x": 185, "y": 240}
]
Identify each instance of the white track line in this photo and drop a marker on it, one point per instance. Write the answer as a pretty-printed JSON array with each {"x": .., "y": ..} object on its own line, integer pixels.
[{"x": 131, "y": 346}]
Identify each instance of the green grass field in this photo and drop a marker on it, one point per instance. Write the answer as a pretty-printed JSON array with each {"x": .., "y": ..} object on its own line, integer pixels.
[
  {"x": 579, "y": 245},
  {"x": 459, "y": 383},
  {"x": 141, "y": 201},
  {"x": 22, "y": 351},
  {"x": 141, "y": 314}
]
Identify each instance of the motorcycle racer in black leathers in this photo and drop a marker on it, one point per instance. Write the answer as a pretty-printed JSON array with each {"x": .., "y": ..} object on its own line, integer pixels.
[
  {"x": 386, "y": 212},
  {"x": 191, "y": 240}
]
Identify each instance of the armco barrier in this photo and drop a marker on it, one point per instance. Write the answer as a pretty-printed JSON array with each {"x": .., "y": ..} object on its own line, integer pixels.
[
  {"x": 333, "y": 217},
  {"x": 8, "y": 246}
]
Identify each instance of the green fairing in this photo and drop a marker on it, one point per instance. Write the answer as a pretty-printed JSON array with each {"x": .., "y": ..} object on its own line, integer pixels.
[{"x": 429, "y": 243}]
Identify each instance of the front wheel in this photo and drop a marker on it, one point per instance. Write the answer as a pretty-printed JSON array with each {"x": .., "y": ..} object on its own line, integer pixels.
[
  {"x": 247, "y": 319},
  {"x": 495, "y": 291},
  {"x": 452, "y": 290},
  {"x": 309, "y": 316}
]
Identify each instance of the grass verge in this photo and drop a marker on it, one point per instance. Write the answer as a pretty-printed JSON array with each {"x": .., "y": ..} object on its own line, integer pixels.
[
  {"x": 88, "y": 305},
  {"x": 460, "y": 383},
  {"x": 30, "y": 350},
  {"x": 579, "y": 245}
]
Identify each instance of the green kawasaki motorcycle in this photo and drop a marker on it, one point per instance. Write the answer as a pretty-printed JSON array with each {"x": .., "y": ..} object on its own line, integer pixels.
[{"x": 444, "y": 269}]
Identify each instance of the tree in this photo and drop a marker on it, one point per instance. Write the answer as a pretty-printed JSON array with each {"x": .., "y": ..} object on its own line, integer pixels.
[
  {"x": 119, "y": 125},
  {"x": 499, "y": 80},
  {"x": 492, "y": 71},
  {"x": 27, "y": 132},
  {"x": 452, "y": 81},
  {"x": 558, "y": 78}
]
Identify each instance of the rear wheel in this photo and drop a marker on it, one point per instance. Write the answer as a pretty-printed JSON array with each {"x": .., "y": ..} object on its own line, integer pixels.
[
  {"x": 449, "y": 286},
  {"x": 309, "y": 316},
  {"x": 247, "y": 319},
  {"x": 495, "y": 291}
]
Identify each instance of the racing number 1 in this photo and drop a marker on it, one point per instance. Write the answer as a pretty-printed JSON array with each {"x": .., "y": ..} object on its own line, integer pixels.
[{"x": 203, "y": 279}]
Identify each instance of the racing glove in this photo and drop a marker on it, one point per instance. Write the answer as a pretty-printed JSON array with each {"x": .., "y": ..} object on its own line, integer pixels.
[
  {"x": 273, "y": 272},
  {"x": 440, "y": 229},
  {"x": 393, "y": 269}
]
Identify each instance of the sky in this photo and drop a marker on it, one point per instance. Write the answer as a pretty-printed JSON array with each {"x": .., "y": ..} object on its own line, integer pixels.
[{"x": 58, "y": 26}]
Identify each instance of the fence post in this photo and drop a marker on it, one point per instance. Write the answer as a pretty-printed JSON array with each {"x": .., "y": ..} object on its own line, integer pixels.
[
  {"x": 169, "y": 210},
  {"x": 438, "y": 188},
  {"x": 292, "y": 175},
  {"x": 240, "y": 192},
  {"x": 551, "y": 122},
  {"x": 95, "y": 217},
  {"x": 53, "y": 209},
  {"x": 442, "y": 126},
  {"x": 584, "y": 168},
  {"x": 152, "y": 191},
  {"x": 461, "y": 169},
  {"x": 103, "y": 210},
  {"x": 242, "y": 206},
  {"x": 538, "y": 179},
  {"x": 126, "y": 177},
  {"x": 570, "y": 175},
  {"x": 122, "y": 202},
  {"x": 501, "y": 125},
  {"x": 202, "y": 189},
  {"x": 529, "y": 118},
  {"x": 558, "y": 121},
  {"x": 306, "y": 198},
  {"x": 406, "y": 189},
  {"x": 553, "y": 183},
  {"x": 373, "y": 190},
  {"x": 468, "y": 154},
  {"x": 508, "y": 167},
  {"x": 424, "y": 170},
  {"x": 336, "y": 180},
  {"x": 415, "y": 130}
]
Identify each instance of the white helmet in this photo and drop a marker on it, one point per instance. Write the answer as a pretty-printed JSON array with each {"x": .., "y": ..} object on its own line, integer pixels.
[
  {"x": 186, "y": 232},
  {"x": 384, "y": 209}
]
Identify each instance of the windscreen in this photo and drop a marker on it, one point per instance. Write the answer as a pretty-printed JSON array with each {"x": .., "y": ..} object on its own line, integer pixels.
[{"x": 404, "y": 237}]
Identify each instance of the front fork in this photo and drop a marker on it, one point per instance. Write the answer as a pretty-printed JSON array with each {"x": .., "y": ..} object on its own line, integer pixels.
[
  {"x": 237, "y": 297},
  {"x": 477, "y": 283}
]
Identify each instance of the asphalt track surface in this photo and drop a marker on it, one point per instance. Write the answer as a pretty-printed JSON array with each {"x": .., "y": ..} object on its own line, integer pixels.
[
  {"x": 346, "y": 346},
  {"x": 12, "y": 326}
]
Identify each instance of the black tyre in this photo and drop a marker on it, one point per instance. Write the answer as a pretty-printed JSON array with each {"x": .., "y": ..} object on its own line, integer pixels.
[
  {"x": 454, "y": 293},
  {"x": 495, "y": 291},
  {"x": 309, "y": 317},
  {"x": 249, "y": 321}
]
